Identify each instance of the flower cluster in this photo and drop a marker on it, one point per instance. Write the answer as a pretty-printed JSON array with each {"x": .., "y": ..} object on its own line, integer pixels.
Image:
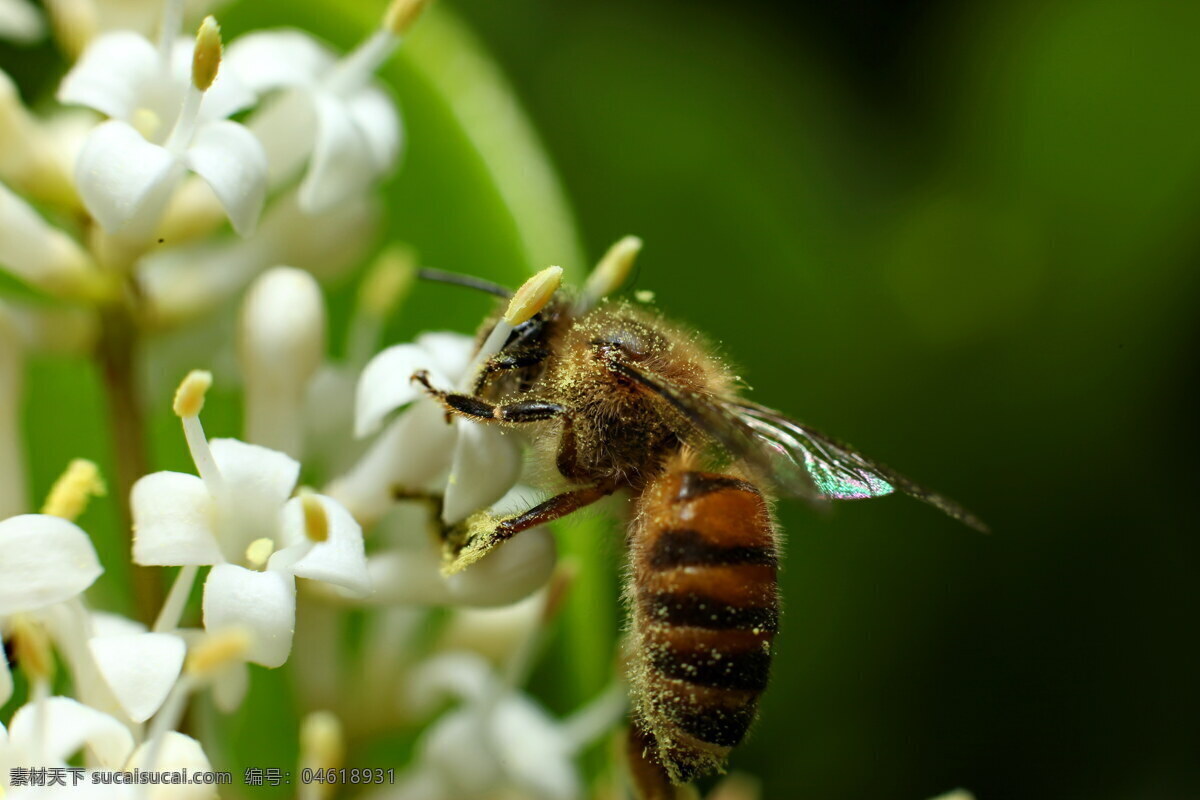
[{"x": 172, "y": 178}]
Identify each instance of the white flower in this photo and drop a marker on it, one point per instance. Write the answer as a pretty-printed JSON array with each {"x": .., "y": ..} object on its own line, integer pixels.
[
  {"x": 417, "y": 448},
  {"x": 46, "y": 560},
  {"x": 328, "y": 113},
  {"x": 411, "y": 572},
  {"x": 237, "y": 517},
  {"x": 130, "y": 166},
  {"x": 514, "y": 743},
  {"x": 281, "y": 343},
  {"x": 46, "y": 733},
  {"x": 20, "y": 22}
]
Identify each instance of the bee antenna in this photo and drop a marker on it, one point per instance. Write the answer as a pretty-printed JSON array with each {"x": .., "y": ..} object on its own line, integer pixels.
[{"x": 469, "y": 281}]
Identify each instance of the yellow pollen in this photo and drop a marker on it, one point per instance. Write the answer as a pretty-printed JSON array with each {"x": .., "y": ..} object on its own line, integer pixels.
[
  {"x": 387, "y": 281},
  {"x": 614, "y": 268},
  {"x": 259, "y": 551},
  {"x": 206, "y": 59},
  {"x": 401, "y": 15},
  {"x": 146, "y": 122},
  {"x": 316, "y": 520},
  {"x": 189, "y": 397},
  {"x": 217, "y": 650},
  {"x": 31, "y": 646},
  {"x": 533, "y": 295},
  {"x": 69, "y": 495}
]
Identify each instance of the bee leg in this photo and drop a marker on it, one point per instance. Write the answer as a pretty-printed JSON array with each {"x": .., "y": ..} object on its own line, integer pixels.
[
  {"x": 485, "y": 532},
  {"x": 498, "y": 363},
  {"x": 482, "y": 411}
]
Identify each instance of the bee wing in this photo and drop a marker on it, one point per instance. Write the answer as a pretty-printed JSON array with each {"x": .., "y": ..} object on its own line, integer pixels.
[
  {"x": 838, "y": 470},
  {"x": 738, "y": 433},
  {"x": 798, "y": 460}
]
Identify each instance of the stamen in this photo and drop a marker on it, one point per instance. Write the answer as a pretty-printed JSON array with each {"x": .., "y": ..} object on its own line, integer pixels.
[
  {"x": 322, "y": 746},
  {"x": 387, "y": 283},
  {"x": 316, "y": 519},
  {"x": 172, "y": 21},
  {"x": 611, "y": 272},
  {"x": 189, "y": 401},
  {"x": 31, "y": 645},
  {"x": 402, "y": 14},
  {"x": 217, "y": 650},
  {"x": 147, "y": 123},
  {"x": 70, "y": 494},
  {"x": 189, "y": 397},
  {"x": 533, "y": 295},
  {"x": 259, "y": 552},
  {"x": 206, "y": 59}
]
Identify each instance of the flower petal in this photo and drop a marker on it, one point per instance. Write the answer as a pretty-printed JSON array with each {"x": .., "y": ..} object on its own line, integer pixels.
[
  {"x": 412, "y": 452},
  {"x": 176, "y": 751},
  {"x": 231, "y": 160},
  {"x": 342, "y": 165},
  {"x": 264, "y": 603},
  {"x": 45, "y": 560},
  {"x": 173, "y": 521},
  {"x": 386, "y": 382},
  {"x": 257, "y": 481},
  {"x": 69, "y": 725},
  {"x": 33, "y": 250},
  {"x": 269, "y": 60},
  {"x": 339, "y": 559},
  {"x": 530, "y": 745},
  {"x": 374, "y": 114},
  {"x": 123, "y": 179},
  {"x": 508, "y": 573},
  {"x": 452, "y": 352},
  {"x": 112, "y": 75},
  {"x": 487, "y": 463},
  {"x": 140, "y": 669}
]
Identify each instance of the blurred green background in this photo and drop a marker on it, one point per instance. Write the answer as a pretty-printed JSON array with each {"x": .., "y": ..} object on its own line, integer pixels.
[{"x": 961, "y": 236}]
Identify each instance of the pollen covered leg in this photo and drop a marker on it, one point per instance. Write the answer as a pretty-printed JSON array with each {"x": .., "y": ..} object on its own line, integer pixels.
[
  {"x": 482, "y": 411},
  {"x": 484, "y": 531}
]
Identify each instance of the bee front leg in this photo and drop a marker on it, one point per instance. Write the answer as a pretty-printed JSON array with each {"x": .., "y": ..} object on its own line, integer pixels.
[
  {"x": 485, "y": 531},
  {"x": 482, "y": 411}
]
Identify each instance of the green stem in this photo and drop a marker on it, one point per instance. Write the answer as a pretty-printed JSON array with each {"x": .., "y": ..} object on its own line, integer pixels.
[{"x": 116, "y": 355}]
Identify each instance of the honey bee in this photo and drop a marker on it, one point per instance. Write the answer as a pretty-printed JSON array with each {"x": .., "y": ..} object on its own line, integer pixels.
[{"x": 620, "y": 399}]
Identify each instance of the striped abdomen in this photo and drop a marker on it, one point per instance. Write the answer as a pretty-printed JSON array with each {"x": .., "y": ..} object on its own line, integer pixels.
[{"x": 705, "y": 609}]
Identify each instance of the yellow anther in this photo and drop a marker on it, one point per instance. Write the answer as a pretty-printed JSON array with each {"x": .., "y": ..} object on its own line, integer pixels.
[
  {"x": 70, "y": 494},
  {"x": 189, "y": 397},
  {"x": 146, "y": 122},
  {"x": 31, "y": 645},
  {"x": 614, "y": 268},
  {"x": 217, "y": 650},
  {"x": 259, "y": 551},
  {"x": 316, "y": 519},
  {"x": 401, "y": 15},
  {"x": 206, "y": 59},
  {"x": 387, "y": 281},
  {"x": 533, "y": 295}
]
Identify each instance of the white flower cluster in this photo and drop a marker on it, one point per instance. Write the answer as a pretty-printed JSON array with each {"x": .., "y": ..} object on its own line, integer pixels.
[{"x": 113, "y": 212}]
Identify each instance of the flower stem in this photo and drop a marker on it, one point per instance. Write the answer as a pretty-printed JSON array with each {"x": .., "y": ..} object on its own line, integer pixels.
[
  {"x": 172, "y": 610},
  {"x": 115, "y": 353}
]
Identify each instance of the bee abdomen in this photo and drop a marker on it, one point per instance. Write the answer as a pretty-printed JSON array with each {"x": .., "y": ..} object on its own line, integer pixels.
[{"x": 705, "y": 610}]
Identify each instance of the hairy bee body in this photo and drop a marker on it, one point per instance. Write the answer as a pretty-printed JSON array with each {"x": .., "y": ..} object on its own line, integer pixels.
[{"x": 704, "y": 608}]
